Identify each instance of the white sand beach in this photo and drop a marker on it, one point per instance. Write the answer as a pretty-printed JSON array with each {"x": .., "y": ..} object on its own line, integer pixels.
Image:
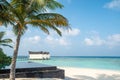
[
  {"x": 84, "y": 74},
  {"x": 90, "y": 74}
]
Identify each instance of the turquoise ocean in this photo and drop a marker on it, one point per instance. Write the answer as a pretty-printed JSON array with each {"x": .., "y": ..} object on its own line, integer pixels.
[{"x": 110, "y": 63}]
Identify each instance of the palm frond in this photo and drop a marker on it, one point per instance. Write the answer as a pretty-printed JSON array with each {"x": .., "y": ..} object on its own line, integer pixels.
[
  {"x": 3, "y": 7},
  {"x": 56, "y": 30},
  {"x": 13, "y": 11},
  {"x": 35, "y": 7},
  {"x": 44, "y": 29},
  {"x": 5, "y": 15},
  {"x": 6, "y": 45},
  {"x": 19, "y": 29},
  {"x": 20, "y": 6},
  {"x": 6, "y": 41},
  {"x": 6, "y": 18},
  {"x": 1, "y": 35},
  {"x": 52, "y": 17},
  {"x": 49, "y": 20},
  {"x": 41, "y": 6},
  {"x": 53, "y": 4}
]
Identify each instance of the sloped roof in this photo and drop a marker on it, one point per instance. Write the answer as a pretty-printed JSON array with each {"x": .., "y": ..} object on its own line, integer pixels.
[{"x": 41, "y": 52}]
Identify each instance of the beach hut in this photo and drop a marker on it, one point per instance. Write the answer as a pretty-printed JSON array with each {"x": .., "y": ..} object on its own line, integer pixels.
[{"x": 39, "y": 55}]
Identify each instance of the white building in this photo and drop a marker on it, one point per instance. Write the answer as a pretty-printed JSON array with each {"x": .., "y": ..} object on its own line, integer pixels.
[{"x": 39, "y": 55}]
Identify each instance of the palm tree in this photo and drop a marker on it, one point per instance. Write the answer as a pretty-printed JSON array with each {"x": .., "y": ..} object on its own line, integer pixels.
[
  {"x": 24, "y": 13},
  {"x": 4, "y": 42}
]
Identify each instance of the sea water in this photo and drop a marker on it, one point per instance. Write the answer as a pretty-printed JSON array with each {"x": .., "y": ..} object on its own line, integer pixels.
[{"x": 111, "y": 63}]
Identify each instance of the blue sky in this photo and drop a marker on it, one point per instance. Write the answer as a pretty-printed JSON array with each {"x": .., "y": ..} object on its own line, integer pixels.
[{"x": 95, "y": 31}]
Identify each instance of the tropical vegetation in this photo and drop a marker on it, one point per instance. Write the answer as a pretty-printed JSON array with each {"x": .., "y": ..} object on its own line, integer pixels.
[
  {"x": 4, "y": 59},
  {"x": 22, "y": 14},
  {"x": 5, "y": 42}
]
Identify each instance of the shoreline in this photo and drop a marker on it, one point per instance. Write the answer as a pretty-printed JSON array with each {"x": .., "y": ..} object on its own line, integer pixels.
[
  {"x": 73, "y": 73},
  {"x": 114, "y": 70}
]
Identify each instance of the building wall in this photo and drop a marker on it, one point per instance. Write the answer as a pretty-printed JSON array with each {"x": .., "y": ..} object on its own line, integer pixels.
[
  {"x": 48, "y": 56},
  {"x": 39, "y": 56},
  {"x": 35, "y": 56}
]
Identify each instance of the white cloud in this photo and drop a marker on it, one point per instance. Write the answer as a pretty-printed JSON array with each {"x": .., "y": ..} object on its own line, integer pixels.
[
  {"x": 64, "y": 40},
  {"x": 88, "y": 41},
  {"x": 114, "y": 4},
  {"x": 66, "y": 33},
  {"x": 56, "y": 41},
  {"x": 115, "y": 37},
  {"x": 50, "y": 39},
  {"x": 73, "y": 32},
  {"x": 36, "y": 39},
  {"x": 113, "y": 40},
  {"x": 94, "y": 41},
  {"x": 110, "y": 41}
]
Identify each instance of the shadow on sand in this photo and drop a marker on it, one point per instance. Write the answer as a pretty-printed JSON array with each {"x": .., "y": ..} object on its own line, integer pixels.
[{"x": 100, "y": 77}]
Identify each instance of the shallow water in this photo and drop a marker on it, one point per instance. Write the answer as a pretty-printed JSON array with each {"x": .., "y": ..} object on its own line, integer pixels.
[{"x": 112, "y": 63}]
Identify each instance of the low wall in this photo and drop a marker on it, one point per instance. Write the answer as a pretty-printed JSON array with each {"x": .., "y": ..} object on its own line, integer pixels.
[
  {"x": 34, "y": 70},
  {"x": 58, "y": 73}
]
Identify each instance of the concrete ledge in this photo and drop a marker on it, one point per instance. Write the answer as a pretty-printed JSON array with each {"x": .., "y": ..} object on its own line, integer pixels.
[
  {"x": 35, "y": 72},
  {"x": 58, "y": 73}
]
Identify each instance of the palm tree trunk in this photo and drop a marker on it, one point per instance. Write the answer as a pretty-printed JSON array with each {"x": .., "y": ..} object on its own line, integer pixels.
[{"x": 13, "y": 63}]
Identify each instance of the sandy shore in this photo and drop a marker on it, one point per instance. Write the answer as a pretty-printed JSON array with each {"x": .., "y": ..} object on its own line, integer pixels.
[
  {"x": 90, "y": 74},
  {"x": 85, "y": 74}
]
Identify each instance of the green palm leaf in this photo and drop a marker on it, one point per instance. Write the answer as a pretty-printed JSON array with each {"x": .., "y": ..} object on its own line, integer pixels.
[
  {"x": 4, "y": 42},
  {"x": 6, "y": 45},
  {"x": 1, "y": 35}
]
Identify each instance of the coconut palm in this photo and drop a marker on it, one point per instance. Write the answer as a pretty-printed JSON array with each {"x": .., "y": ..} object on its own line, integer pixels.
[
  {"x": 30, "y": 13},
  {"x": 4, "y": 42}
]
